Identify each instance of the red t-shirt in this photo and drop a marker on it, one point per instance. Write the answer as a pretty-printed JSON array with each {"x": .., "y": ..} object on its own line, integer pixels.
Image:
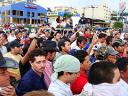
[{"x": 79, "y": 83}]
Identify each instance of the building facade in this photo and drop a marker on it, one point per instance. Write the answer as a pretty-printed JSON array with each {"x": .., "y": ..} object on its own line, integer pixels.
[
  {"x": 102, "y": 12},
  {"x": 22, "y": 13}
]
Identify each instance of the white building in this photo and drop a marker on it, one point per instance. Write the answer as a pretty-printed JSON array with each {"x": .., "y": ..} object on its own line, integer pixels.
[{"x": 102, "y": 12}]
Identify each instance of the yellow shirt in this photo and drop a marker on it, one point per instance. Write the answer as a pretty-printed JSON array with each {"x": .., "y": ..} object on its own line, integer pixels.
[{"x": 16, "y": 58}]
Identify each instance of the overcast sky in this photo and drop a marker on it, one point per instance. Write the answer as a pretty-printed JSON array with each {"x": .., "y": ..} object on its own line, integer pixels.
[{"x": 113, "y": 4}]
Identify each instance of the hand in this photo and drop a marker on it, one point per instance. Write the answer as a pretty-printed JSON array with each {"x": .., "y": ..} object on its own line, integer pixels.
[
  {"x": 8, "y": 91},
  {"x": 40, "y": 31},
  {"x": 95, "y": 39}
]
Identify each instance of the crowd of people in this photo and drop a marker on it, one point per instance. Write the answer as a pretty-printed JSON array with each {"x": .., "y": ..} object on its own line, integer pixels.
[{"x": 79, "y": 61}]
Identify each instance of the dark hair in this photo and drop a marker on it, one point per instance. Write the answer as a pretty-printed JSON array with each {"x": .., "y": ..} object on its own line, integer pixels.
[
  {"x": 60, "y": 73},
  {"x": 80, "y": 39},
  {"x": 40, "y": 42},
  {"x": 1, "y": 32},
  {"x": 57, "y": 33},
  {"x": 115, "y": 44},
  {"x": 80, "y": 55},
  {"x": 62, "y": 43},
  {"x": 101, "y": 72},
  {"x": 49, "y": 46},
  {"x": 35, "y": 53},
  {"x": 109, "y": 39},
  {"x": 122, "y": 64},
  {"x": 102, "y": 35}
]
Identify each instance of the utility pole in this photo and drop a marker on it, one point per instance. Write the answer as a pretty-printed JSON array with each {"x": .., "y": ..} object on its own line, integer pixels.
[{"x": 92, "y": 13}]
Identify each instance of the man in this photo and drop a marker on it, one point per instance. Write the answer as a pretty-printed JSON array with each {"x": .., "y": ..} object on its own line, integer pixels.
[
  {"x": 106, "y": 53},
  {"x": 83, "y": 20},
  {"x": 50, "y": 48},
  {"x": 103, "y": 78},
  {"x": 80, "y": 43},
  {"x": 3, "y": 49},
  {"x": 6, "y": 88},
  {"x": 118, "y": 45},
  {"x": 85, "y": 64},
  {"x": 64, "y": 46},
  {"x": 34, "y": 78},
  {"x": 66, "y": 69},
  {"x": 12, "y": 36},
  {"x": 122, "y": 64},
  {"x": 101, "y": 40},
  {"x": 15, "y": 54},
  {"x": 57, "y": 37},
  {"x": 4, "y": 38}
]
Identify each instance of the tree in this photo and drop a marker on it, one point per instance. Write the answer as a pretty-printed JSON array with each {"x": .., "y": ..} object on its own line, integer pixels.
[
  {"x": 68, "y": 15},
  {"x": 118, "y": 25}
]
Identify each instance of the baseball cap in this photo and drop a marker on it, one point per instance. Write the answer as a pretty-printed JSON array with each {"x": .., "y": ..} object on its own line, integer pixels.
[
  {"x": 6, "y": 62},
  {"x": 111, "y": 51},
  {"x": 120, "y": 41},
  {"x": 66, "y": 63},
  {"x": 14, "y": 44},
  {"x": 104, "y": 51}
]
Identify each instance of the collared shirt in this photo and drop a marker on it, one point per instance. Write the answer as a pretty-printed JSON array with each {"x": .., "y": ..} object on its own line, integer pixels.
[
  {"x": 3, "y": 50},
  {"x": 124, "y": 88},
  {"x": 48, "y": 72},
  {"x": 103, "y": 89},
  {"x": 58, "y": 88},
  {"x": 79, "y": 83},
  {"x": 30, "y": 81}
]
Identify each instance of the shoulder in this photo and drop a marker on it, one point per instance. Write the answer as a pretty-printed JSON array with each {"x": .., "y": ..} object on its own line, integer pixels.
[{"x": 57, "y": 91}]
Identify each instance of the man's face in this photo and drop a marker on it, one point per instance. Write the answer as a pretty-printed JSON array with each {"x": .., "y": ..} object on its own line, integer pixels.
[
  {"x": 86, "y": 63},
  {"x": 72, "y": 77},
  {"x": 117, "y": 35},
  {"x": 124, "y": 75},
  {"x": 126, "y": 36},
  {"x": 67, "y": 46},
  {"x": 52, "y": 56},
  {"x": 19, "y": 35},
  {"x": 103, "y": 40},
  {"x": 120, "y": 49},
  {"x": 4, "y": 77},
  {"x": 18, "y": 50},
  {"x": 39, "y": 64},
  {"x": 82, "y": 44},
  {"x": 111, "y": 58},
  {"x": 58, "y": 36}
]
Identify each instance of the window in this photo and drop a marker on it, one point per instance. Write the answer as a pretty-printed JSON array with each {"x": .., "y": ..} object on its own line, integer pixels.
[
  {"x": 33, "y": 21},
  {"x": 32, "y": 14},
  {"x": 38, "y": 14},
  {"x": 13, "y": 12},
  {"x": 28, "y": 14},
  {"x": 21, "y": 13}
]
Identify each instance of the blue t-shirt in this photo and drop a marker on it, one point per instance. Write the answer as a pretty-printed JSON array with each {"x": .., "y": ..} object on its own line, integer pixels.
[{"x": 30, "y": 81}]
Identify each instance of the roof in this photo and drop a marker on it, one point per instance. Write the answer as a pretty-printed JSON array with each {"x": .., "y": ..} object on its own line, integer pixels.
[{"x": 22, "y": 7}]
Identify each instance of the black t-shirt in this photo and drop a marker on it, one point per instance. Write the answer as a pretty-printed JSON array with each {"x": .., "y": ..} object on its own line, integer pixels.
[{"x": 24, "y": 68}]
